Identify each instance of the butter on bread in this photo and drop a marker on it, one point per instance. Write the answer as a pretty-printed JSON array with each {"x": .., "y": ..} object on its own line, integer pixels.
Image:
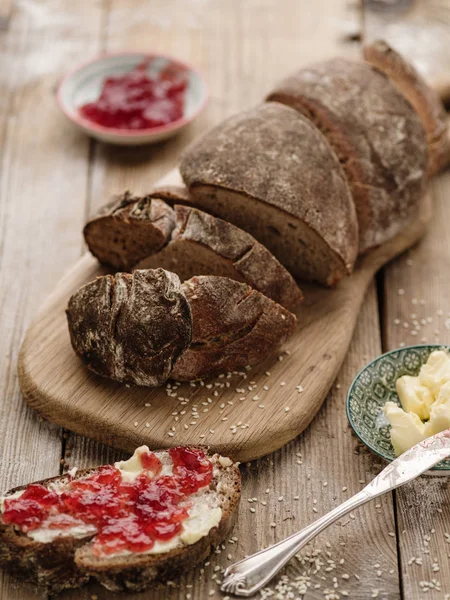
[{"x": 67, "y": 560}]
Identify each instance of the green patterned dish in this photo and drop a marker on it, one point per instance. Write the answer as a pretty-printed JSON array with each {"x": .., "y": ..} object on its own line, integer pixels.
[{"x": 373, "y": 386}]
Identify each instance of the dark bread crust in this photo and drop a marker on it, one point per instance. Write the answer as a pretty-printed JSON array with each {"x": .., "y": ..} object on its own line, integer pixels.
[
  {"x": 234, "y": 252},
  {"x": 233, "y": 326},
  {"x": 420, "y": 95},
  {"x": 129, "y": 229},
  {"x": 131, "y": 328},
  {"x": 376, "y": 134},
  {"x": 273, "y": 158},
  {"x": 68, "y": 562}
]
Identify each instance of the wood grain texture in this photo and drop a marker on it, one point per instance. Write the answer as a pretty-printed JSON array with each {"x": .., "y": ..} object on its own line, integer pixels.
[
  {"x": 43, "y": 176},
  {"x": 243, "y": 48},
  {"x": 238, "y": 417},
  {"x": 417, "y": 291},
  {"x": 420, "y": 30},
  {"x": 416, "y": 299}
]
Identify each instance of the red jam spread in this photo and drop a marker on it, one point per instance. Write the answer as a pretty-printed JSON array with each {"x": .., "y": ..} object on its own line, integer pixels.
[
  {"x": 127, "y": 515},
  {"x": 136, "y": 101}
]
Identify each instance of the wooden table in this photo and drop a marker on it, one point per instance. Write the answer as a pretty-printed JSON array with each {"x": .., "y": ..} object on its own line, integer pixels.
[{"x": 53, "y": 177}]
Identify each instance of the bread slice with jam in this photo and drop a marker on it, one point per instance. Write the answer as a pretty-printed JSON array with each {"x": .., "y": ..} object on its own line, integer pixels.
[{"x": 126, "y": 525}]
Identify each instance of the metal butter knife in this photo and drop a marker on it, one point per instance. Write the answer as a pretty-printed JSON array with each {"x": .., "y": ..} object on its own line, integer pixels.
[{"x": 249, "y": 575}]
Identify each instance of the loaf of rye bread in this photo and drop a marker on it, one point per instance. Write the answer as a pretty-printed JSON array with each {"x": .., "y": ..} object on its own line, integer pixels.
[
  {"x": 376, "y": 134},
  {"x": 272, "y": 173},
  {"x": 205, "y": 245},
  {"x": 144, "y": 328},
  {"x": 68, "y": 561},
  {"x": 420, "y": 95},
  {"x": 233, "y": 326},
  {"x": 129, "y": 229},
  {"x": 131, "y": 328}
]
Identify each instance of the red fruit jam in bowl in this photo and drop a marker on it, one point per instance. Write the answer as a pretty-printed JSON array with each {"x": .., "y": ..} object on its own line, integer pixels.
[
  {"x": 124, "y": 514},
  {"x": 136, "y": 100},
  {"x": 132, "y": 98}
]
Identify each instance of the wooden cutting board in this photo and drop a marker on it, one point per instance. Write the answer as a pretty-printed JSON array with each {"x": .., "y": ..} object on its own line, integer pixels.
[{"x": 245, "y": 416}]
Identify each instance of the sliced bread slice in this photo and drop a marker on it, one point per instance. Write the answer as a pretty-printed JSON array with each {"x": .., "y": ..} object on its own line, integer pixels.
[
  {"x": 376, "y": 134},
  {"x": 205, "y": 245},
  {"x": 131, "y": 328},
  {"x": 233, "y": 326},
  {"x": 59, "y": 557},
  {"x": 274, "y": 175},
  {"x": 420, "y": 95},
  {"x": 129, "y": 229}
]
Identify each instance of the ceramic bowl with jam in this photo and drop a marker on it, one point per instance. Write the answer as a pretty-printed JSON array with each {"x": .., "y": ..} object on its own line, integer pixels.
[{"x": 132, "y": 98}]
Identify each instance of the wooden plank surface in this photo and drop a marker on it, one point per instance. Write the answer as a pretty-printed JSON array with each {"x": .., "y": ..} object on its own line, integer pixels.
[
  {"x": 416, "y": 296},
  {"x": 52, "y": 176},
  {"x": 43, "y": 186},
  {"x": 417, "y": 292},
  {"x": 243, "y": 48}
]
